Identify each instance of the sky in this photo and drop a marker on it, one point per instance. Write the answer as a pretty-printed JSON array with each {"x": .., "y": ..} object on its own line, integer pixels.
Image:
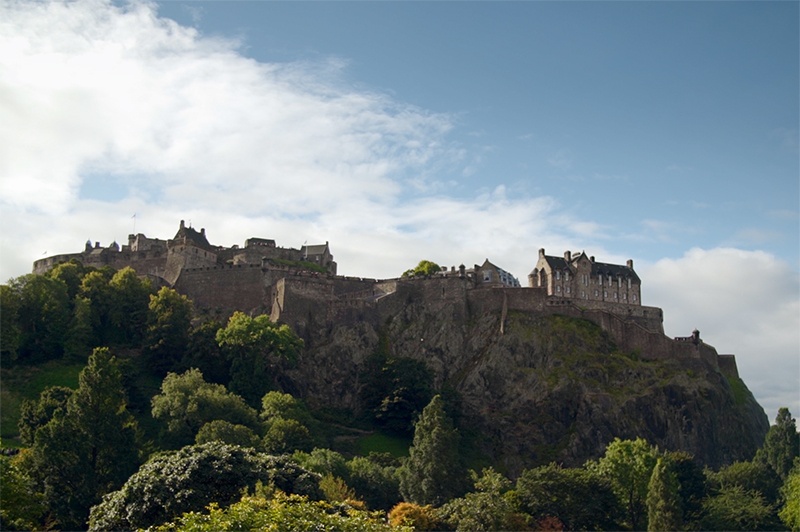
[{"x": 452, "y": 131}]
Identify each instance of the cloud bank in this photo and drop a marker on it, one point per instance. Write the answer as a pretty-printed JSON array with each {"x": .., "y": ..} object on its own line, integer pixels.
[{"x": 107, "y": 111}]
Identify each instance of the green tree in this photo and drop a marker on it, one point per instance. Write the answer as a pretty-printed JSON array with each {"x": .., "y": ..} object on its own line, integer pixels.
[
  {"x": 734, "y": 508},
  {"x": 187, "y": 402},
  {"x": 227, "y": 432},
  {"x": 188, "y": 480},
  {"x": 374, "y": 483},
  {"x": 578, "y": 498},
  {"x": 395, "y": 391},
  {"x": 284, "y": 436},
  {"x": 691, "y": 486},
  {"x": 628, "y": 465},
  {"x": 37, "y": 413},
  {"x": 492, "y": 506},
  {"x": 432, "y": 473},
  {"x": 204, "y": 353},
  {"x": 663, "y": 500},
  {"x": 71, "y": 273},
  {"x": 22, "y": 507},
  {"x": 790, "y": 492},
  {"x": 90, "y": 448},
  {"x": 750, "y": 476},
  {"x": 781, "y": 444},
  {"x": 425, "y": 267},
  {"x": 255, "y": 347},
  {"x": 10, "y": 331},
  {"x": 323, "y": 462},
  {"x": 282, "y": 512},
  {"x": 43, "y": 316},
  {"x": 130, "y": 298},
  {"x": 169, "y": 319},
  {"x": 96, "y": 291}
]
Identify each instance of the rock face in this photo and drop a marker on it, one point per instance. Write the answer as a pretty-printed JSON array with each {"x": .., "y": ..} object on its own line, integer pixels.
[{"x": 537, "y": 387}]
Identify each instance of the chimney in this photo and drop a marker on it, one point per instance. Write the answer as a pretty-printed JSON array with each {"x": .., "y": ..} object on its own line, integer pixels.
[
  {"x": 183, "y": 225},
  {"x": 568, "y": 256},
  {"x": 591, "y": 258},
  {"x": 630, "y": 263},
  {"x": 203, "y": 231},
  {"x": 541, "y": 253}
]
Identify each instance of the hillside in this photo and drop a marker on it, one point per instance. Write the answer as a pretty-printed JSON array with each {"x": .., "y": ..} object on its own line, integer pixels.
[{"x": 534, "y": 387}]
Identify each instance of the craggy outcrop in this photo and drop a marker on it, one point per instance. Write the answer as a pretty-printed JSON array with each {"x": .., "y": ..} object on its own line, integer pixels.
[{"x": 537, "y": 387}]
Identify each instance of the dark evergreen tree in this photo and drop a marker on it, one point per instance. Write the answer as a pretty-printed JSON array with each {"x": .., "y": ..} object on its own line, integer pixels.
[
  {"x": 90, "y": 448},
  {"x": 432, "y": 473},
  {"x": 35, "y": 414},
  {"x": 663, "y": 500},
  {"x": 781, "y": 444}
]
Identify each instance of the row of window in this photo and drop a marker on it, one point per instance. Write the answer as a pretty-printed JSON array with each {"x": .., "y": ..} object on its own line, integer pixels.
[
  {"x": 585, "y": 279},
  {"x": 568, "y": 290}
]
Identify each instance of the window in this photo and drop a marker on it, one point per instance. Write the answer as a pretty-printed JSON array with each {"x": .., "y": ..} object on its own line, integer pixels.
[
  {"x": 558, "y": 289},
  {"x": 596, "y": 293},
  {"x": 624, "y": 297},
  {"x": 616, "y": 295},
  {"x": 585, "y": 280},
  {"x": 605, "y": 293},
  {"x": 558, "y": 275},
  {"x": 568, "y": 290},
  {"x": 634, "y": 297},
  {"x": 487, "y": 276}
]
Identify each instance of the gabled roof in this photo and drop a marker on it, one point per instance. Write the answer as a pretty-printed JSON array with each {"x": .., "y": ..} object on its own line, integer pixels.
[
  {"x": 194, "y": 237},
  {"x": 598, "y": 268}
]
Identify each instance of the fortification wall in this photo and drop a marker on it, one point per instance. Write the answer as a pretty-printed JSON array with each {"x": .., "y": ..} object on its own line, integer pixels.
[
  {"x": 727, "y": 365},
  {"x": 224, "y": 288}
]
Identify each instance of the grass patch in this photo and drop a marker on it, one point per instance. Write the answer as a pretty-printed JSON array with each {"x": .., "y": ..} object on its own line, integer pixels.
[
  {"x": 739, "y": 389},
  {"x": 383, "y": 443},
  {"x": 27, "y": 382}
]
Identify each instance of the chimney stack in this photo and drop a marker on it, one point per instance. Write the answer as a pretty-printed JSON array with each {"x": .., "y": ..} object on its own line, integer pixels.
[
  {"x": 541, "y": 253},
  {"x": 630, "y": 263},
  {"x": 568, "y": 256}
]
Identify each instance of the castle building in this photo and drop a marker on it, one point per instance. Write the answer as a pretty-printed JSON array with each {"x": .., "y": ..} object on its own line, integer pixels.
[{"x": 580, "y": 277}]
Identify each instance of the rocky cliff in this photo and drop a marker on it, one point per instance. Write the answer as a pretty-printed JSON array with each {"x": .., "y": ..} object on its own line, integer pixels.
[{"x": 536, "y": 387}]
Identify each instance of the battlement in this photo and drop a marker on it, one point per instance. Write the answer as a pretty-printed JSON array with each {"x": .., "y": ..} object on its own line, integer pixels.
[{"x": 301, "y": 286}]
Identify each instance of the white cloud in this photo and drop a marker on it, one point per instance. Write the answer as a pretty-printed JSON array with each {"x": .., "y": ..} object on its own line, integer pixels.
[{"x": 745, "y": 303}]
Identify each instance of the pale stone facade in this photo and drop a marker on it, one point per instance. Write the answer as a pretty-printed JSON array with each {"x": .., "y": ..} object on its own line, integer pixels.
[{"x": 580, "y": 277}]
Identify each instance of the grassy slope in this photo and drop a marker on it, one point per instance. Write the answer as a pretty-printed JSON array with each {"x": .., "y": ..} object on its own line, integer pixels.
[{"x": 27, "y": 382}]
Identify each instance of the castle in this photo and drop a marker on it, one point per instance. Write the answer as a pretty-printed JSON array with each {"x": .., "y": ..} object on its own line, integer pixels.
[{"x": 301, "y": 287}]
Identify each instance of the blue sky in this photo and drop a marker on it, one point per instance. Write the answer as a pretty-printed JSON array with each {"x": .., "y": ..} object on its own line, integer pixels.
[{"x": 665, "y": 132}]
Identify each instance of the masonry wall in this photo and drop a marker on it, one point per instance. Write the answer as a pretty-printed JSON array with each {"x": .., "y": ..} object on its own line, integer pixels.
[{"x": 225, "y": 288}]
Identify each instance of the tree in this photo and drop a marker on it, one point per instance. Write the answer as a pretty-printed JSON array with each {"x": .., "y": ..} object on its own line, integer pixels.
[
  {"x": 790, "y": 513},
  {"x": 22, "y": 507},
  {"x": 422, "y": 518},
  {"x": 34, "y": 414},
  {"x": 750, "y": 476},
  {"x": 578, "y": 498},
  {"x": 96, "y": 291},
  {"x": 187, "y": 402},
  {"x": 491, "y": 507},
  {"x": 43, "y": 316},
  {"x": 286, "y": 436},
  {"x": 130, "y": 298},
  {"x": 374, "y": 483},
  {"x": 663, "y": 500},
  {"x": 10, "y": 331},
  {"x": 204, "y": 353},
  {"x": 90, "y": 448},
  {"x": 227, "y": 432},
  {"x": 189, "y": 479},
  {"x": 781, "y": 444},
  {"x": 734, "y": 508},
  {"x": 395, "y": 391},
  {"x": 628, "y": 465},
  {"x": 425, "y": 267},
  {"x": 254, "y": 347},
  {"x": 432, "y": 473},
  {"x": 279, "y": 511},
  {"x": 691, "y": 486},
  {"x": 169, "y": 319}
]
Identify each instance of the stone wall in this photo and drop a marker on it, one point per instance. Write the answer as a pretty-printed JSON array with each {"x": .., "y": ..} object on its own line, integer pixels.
[{"x": 225, "y": 288}]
